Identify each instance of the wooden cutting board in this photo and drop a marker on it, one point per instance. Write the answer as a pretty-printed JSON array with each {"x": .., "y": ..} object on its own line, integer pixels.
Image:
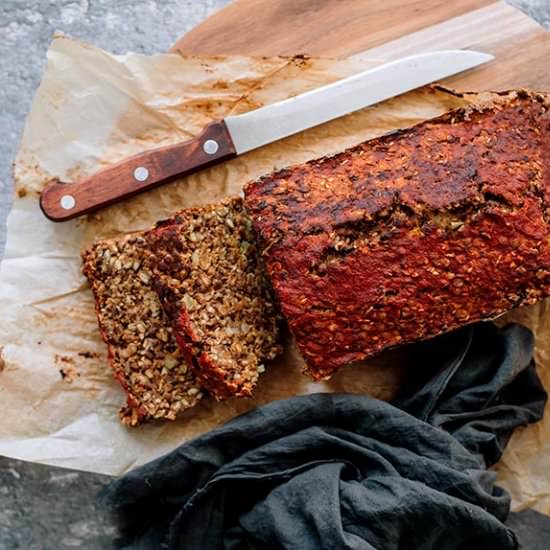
[{"x": 384, "y": 30}]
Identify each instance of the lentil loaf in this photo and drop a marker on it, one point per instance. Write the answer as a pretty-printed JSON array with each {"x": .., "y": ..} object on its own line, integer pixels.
[
  {"x": 411, "y": 234},
  {"x": 213, "y": 288},
  {"x": 142, "y": 350}
]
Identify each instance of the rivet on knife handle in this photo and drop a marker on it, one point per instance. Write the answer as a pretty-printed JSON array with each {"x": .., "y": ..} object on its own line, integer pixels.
[{"x": 62, "y": 201}]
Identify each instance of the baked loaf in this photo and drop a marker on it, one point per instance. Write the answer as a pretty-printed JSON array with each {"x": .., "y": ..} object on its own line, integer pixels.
[
  {"x": 213, "y": 288},
  {"x": 411, "y": 234},
  {"x": 143, "y": 352}
]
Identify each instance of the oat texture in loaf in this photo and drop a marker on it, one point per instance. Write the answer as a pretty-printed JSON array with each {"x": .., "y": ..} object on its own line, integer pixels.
[
  {"x": 412, "y": 234},
  {"x": 213, "y": 288},
  {"x": 143, "y": 352}
]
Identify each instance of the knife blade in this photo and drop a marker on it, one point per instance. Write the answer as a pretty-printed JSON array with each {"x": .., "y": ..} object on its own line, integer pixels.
[{"x": 241, "y": 133}]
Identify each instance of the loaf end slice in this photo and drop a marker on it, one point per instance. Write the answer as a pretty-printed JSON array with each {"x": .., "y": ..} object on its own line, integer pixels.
[
  {"x": 213, "y": 288},
  {"x": 142, "y": 350}
]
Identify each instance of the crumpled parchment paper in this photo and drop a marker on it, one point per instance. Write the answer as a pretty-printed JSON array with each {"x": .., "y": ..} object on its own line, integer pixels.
[{"x": 58, "y": 399}]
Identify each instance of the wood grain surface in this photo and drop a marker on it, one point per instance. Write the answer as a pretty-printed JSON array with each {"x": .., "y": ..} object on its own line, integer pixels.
[
  {"x": 384, "y": 30},
  {"x": 136, "y": 174},
  {"x": 316, "y": 27}
]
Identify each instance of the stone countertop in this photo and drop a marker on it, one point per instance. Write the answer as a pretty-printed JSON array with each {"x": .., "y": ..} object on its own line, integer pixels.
[{"x": 45, "y": 508}]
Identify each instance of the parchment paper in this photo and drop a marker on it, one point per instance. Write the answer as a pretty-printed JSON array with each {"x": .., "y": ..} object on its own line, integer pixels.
[{"x": 58, "y": 399}]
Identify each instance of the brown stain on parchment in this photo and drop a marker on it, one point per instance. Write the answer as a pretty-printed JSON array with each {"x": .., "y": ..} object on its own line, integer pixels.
[
  {"x": 88, "y": 354},
  {"x": 68, "y": 374},
  {"x": 67, "y": 370}
]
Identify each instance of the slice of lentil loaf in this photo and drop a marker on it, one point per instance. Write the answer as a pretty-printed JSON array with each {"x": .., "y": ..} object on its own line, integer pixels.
[
  {"x": 213, "y": 288},
  {"x": 142, "y": 350},
  {"x": 411, "y": 234}
]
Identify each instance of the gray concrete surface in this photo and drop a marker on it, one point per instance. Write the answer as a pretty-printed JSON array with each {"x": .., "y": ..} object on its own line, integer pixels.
[{"x": 44, "y": 508}]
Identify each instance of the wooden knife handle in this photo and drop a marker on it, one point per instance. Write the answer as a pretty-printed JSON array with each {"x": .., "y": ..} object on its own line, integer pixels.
[{"x": 62, "y": 201}]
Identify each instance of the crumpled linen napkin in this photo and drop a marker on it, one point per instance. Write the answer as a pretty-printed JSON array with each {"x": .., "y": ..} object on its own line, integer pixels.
[{"x": 348, "y": 471}]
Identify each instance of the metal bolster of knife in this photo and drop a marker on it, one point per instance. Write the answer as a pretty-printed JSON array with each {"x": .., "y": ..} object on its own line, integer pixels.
[{"x": 62, "y": 201}]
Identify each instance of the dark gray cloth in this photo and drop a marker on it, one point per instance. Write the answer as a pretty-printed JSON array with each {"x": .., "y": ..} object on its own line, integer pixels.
[{"x": 346, "y": 471}]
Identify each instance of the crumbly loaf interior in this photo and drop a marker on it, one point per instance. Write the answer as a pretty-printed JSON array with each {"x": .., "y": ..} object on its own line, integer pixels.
[
  {"x": 142, "y": 349},
  {"x": 213, "y": 288}
]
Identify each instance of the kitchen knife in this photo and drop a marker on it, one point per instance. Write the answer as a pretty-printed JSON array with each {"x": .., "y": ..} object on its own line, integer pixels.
[{"x": 238, "y": 134}]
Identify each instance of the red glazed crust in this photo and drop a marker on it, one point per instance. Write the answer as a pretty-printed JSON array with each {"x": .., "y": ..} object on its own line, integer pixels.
[{"x": 412, "y": 234}]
